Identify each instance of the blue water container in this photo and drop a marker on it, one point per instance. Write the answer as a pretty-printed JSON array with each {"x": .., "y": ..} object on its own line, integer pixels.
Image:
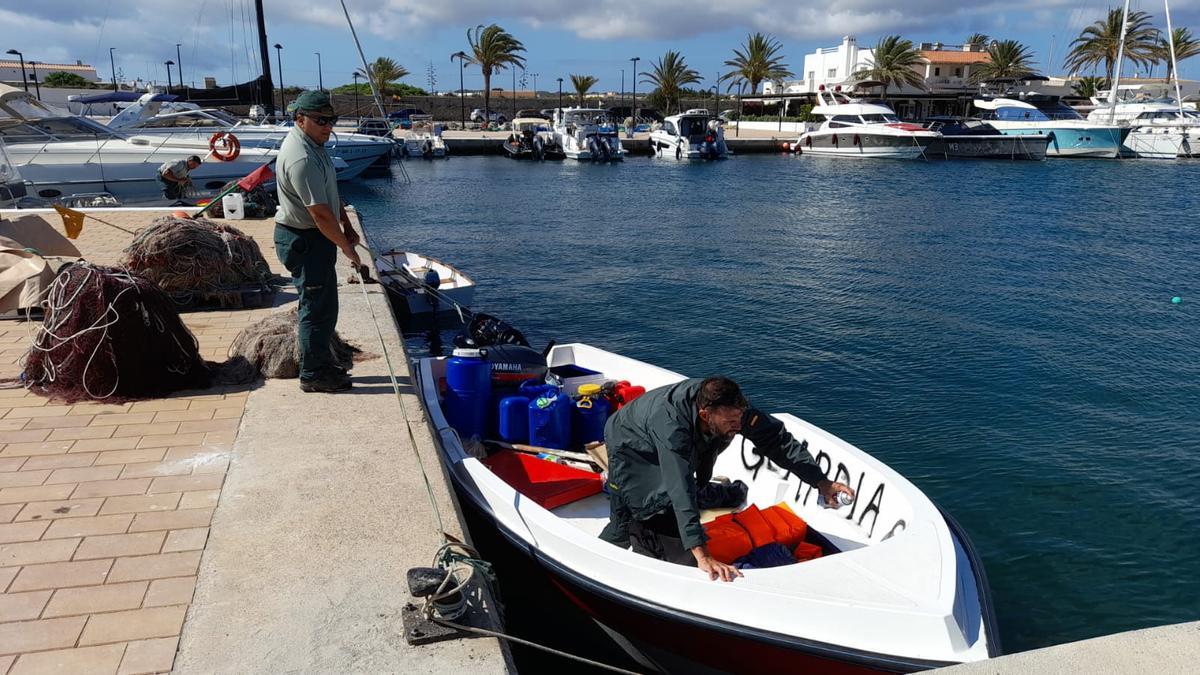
[
  {"x": 468, "y": 392},
  {"x": 590, "y": 412},
  {"x": 550, "y": 420},
  {"x": 514, "y": 419}
]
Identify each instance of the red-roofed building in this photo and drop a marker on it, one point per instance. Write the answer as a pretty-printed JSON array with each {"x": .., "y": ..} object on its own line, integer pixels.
[{"x": 10, "y": 71}]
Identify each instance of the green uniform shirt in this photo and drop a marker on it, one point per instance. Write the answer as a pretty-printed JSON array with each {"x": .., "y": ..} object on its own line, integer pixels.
[
  {"x": 304, "y": 177},
  {"x": 178, "y": 168},
  {"x": 658, "y": 455}
]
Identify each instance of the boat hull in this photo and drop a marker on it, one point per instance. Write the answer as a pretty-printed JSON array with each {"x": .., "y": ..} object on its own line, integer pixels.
[
  {"x": 1078, "y": 142},
  {"x": 662, "y": 638},
  {"x": 882, "y": 146},
  {"x": 998, "y": 146},
  {"x": 1167, "y": 143}
]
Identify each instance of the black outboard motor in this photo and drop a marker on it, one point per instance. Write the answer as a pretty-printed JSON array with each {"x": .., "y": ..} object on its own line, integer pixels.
[{"x": 512, "y": 360}]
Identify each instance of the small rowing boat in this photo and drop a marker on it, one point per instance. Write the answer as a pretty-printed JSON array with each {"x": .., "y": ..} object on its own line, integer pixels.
[
  {"x": 426, "y": 284},
  {"x": 898, "y": 588}
]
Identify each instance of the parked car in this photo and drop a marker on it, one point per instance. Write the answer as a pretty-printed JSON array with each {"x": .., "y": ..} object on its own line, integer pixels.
[
  {"x": 477, "y": 115},
  {"x": 403, "y": 115},
  {"x": 644, "y": 114}
]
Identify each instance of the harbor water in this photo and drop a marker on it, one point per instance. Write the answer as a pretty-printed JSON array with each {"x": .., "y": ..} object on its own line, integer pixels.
[{"x": 1001, "y": 333}]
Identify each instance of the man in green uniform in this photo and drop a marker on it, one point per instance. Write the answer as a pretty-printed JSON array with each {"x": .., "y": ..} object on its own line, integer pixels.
[
  {"x": 662, "y": 447},
  {"x": 310, "y": 226}
]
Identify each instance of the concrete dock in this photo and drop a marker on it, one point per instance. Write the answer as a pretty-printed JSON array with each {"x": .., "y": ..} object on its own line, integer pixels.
[
  {"x": 234, "y": 530},
  {"x": 473, "y": 142}
]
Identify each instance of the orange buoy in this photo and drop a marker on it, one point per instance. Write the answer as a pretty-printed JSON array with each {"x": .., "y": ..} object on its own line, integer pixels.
[
  {"x": 224, "y": 146},
  {"x": 182, "y": 214}
]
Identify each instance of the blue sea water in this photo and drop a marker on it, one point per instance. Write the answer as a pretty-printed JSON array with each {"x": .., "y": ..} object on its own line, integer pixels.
[{"x": 1001, "y": 333}]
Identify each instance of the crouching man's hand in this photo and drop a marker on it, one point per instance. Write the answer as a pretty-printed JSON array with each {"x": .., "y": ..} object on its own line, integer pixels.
[{"x": 714, "y": 568}]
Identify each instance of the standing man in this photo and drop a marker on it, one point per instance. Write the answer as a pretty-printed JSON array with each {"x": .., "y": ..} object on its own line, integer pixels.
[
  {"x": 311, "y": 225},
  {"x": 662, "y": 447},
  {"x": 174, "y": 177}
]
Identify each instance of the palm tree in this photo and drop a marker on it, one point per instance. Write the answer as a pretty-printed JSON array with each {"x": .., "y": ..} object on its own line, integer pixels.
[
  {"x": 1099, "y": 43},
  {"x": 895, "y": 62},
  {"x": 670, "y": 74},
  {"x": 492, "y": 48},
  {"x": 1186, "y": 47},
  {"x": 382, "y": 71},
  {"x": 582, "y": 84},
  {"x": 1088, "y": 87},
  {"x": 758, "y": 60},
  {"x": 979, "y": 39},
  {"x": 1006, "y": 59}
]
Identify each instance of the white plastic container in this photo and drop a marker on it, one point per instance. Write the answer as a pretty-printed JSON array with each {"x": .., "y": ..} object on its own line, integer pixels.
[{"x": 234, "y": 205}]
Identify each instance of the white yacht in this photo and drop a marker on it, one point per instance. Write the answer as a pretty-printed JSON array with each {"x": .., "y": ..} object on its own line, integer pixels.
[
  {"x": 422, "y": 139},
  {"x": 1036, "y": 113},
  {"x": 856, "y": 128},
  {"x": 60, "y": 155},
  {"x": 694, "y": 134},
  {"x": 1159, "y": 127},
  {"x": 588, "y": 134},
  {"x": 188, "y": 125}
]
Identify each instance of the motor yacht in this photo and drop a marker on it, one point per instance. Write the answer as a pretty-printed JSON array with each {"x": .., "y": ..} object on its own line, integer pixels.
[
  {"x": 694, "y": 134},
  {"x": 1159, "y": 127},
  {"x": 588, "y": 134},
  {"x": 1037, "y": 113},
  {"x": 422, "y": 139},
  {"x": 187, "y": 125},
  {"x": 969, "y": 138},
  {"x": 532, "y": 138},
  {"x": 856, "y": 128},
  {"x": 59, "y": 155}
]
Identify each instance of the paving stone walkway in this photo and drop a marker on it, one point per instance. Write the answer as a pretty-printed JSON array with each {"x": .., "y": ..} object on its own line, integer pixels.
[{"x": 105, "y": 508}]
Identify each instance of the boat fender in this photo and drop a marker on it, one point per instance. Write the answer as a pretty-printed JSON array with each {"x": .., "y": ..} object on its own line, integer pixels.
[
  {"x": 678, "y": 152},
  {"x": 857, "y": 140},
  {"x": 808, "y": 142},
  {"x": 835, "y": 139},
  {"x": 224, "y": 146}
]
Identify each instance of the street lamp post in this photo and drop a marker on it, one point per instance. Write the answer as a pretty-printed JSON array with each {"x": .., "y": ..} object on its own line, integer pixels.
[
  {"x": 634, "y": 109},
  {"x": 24, "y": 77},
  {"x": 514, "y": 90},
  {"x": 356, "y": 76},
  {"x": 36, "y": 85},
  {"x": 717, "y": 96},
  {"x": 534, "y": 76},
  {"x": 462, "y": 96},
  {"x": 622, "y": 87},
  {"x": 112, "y": 62},
  {"x": 179, "y": 69},
  {"x": 559, "y": 113},
  {"x": 279, "y": 69},
  {"x": 320, "y": 75},
  {"x": 169, "y": 63}
]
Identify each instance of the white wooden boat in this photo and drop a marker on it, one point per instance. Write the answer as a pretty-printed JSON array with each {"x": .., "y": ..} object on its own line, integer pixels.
[
  {"x": 904, "y": 591},
  {"x": 411, "y": 275}
]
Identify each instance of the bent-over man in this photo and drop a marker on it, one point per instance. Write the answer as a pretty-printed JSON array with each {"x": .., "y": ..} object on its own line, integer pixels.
[
  {"x": 662, "y": 447},
  {"x": 174, "y": 176}
]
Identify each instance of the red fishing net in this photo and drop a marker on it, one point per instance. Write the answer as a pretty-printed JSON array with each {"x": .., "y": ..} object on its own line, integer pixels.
[{"x": 110, "y": 334}]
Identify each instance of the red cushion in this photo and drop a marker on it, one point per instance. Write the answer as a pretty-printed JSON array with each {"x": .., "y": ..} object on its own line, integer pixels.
[
  {"x": 550, "y": 484},
  {"x": 806, "y": 551},
  {"x": 760, "y": 530},
  {"x": 727, "y": 541},
  {"x": 789, "y": 528}
]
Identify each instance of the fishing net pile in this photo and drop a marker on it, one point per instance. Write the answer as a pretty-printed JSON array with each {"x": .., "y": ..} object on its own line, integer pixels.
[
  {"x": 199, "y": 260},
  {"x": 108, "y": 333},
  {"x": 272, "y": 345}
]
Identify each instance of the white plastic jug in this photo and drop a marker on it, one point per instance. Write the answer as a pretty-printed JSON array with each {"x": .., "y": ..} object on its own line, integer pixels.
[{"x": 234, "y": 205}]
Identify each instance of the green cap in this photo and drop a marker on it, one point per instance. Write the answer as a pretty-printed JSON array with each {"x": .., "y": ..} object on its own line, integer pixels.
[{"x": 314, "y": 101}]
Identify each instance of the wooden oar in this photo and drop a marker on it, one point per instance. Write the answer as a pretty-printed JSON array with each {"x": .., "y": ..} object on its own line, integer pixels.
[{"x": 596, "y": 452}]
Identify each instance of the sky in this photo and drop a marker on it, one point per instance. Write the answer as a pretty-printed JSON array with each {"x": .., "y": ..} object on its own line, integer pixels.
[{"x": 217, "y": 37}]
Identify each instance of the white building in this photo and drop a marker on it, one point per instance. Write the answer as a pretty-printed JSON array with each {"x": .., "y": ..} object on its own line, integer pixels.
[
  {"x": 945, "y": 69},
  {"x": 10, "y": 71}
]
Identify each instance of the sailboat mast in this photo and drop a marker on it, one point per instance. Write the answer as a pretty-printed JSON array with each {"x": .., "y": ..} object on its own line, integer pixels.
[
  {"x": 267, "y": 92},
  {"x": 1174, "y": 63},
  {"x": 1112, "y": 92},
  {"x": 363, "y": 58}
]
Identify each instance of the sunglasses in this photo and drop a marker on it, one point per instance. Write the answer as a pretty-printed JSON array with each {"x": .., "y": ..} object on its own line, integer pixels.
[{"x": 322, "y": 120}]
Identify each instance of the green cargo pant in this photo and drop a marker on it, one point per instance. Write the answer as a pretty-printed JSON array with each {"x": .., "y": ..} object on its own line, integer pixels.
[{"x": 311, "y": 258}]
